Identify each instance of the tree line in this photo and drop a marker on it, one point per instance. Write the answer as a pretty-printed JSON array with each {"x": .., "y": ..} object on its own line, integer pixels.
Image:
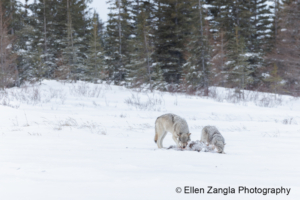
[{"x": 172, "y": 45}]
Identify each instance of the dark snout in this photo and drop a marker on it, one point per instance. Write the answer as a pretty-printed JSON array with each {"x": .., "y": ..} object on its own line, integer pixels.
[{"x": 184, "y": 141}]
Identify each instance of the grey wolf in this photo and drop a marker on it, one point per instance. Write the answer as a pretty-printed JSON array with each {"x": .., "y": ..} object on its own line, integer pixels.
[
  {"x": 174, "y": 124},
  {"x": 212, "y": 136}
]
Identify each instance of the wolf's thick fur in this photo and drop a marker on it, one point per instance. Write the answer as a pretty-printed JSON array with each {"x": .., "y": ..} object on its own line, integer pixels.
[
  {"x": 211, "y": 135},
  {"x": 175, "y": 125}
]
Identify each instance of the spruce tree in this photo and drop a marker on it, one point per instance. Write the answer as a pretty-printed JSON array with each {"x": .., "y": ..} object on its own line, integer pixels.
[
  {"x": 50, "y": 26},
  {"x": 25, "y": 46},
  {"x": 118, "y": 41},
  {"x": 13, "y": 11},
  {"x": 275, "y": 81},
  {"x": 140, "y": 71},
  {"x": 7, "y": 57},
  {"x": 238, "y": 67},
  {"x": 171, "y": 36},
  {"x": 46, "y": 34},
  {"x": 260, "y": 40},
  {"x": 285, "y": 54},
  {"x": 94, "y": 61},
  {"x": 74, "y": 43},
  {"x": 252, "y": 19},
  {"x": 197, "y": 68}
]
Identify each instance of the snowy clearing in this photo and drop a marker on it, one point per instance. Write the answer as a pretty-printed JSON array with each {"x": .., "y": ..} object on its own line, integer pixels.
[{"x": 84, "y": 141}]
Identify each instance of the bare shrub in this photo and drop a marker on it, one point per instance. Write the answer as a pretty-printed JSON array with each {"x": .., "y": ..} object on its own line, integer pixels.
[
  {"x": 28, "y": 95},
  {"x": 36, "y": 97},
  {"x": 95, "y": 104},
  {"x": 176, "y": 101},
  {"x": 34, "y": 134},
  {"x": 212, "y": 93},
  {"x": 68, "y": 122},
  {"x": 272, "y": 134},
  {"x": 53, "y": 93},
  {"x": 229, "y": 95},
  {"x": 93, "y": 127},
  {"x": 268, "y": 101},
  {"x": 62, "y": 97},
  {"x": 290, "y": 120},
  {"x": 6, "y": 102},
  {"x": 86, "y": 90},
  {"x": 152, "y": 102},
  {"x": 244, "y": 96},
  {"x": 72, "y": 123},
  {"x": 123, "y": 116},
  {"x": 233, "y": 96}
]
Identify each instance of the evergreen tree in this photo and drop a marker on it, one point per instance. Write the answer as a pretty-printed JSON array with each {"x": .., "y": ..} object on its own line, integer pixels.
[
  {"x": 171, "y": 36},
  {"x": 252, "y": 18},
  {"x": 46, "y": 35},
  {"x": 140, "y": 71},
  {"x": 197, "y": 68},
  {"x": 260, "y": 27},
  {"x": 74, "y": 43},
  {"x": 69, "y": 53},
  {"x": 25, "y": 46},
  {"x": 51, "y": 28},
  {"x": 238, "y": 67},
  {"x": 7, "y": 57},
  {"x": 162, "y": 44},
  {"x": 275, "y": 81},
  {"x": 12, "y": 9},
  {"x": 285, "y": 54},
  {"x": 118, "y": 40},
  {"x": 94, "y": 62},
  {"x": 260, "y": 40}
]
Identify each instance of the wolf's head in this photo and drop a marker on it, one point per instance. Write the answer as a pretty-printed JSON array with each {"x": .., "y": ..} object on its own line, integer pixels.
[
  {"x": 184, "y": 138},
  {"x": 220, "y": 145}
]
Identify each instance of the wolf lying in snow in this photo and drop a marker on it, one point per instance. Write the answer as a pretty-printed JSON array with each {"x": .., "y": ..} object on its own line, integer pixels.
[
  {"x": 211, "y": 135},
  {"x": 175, "y": 125}
]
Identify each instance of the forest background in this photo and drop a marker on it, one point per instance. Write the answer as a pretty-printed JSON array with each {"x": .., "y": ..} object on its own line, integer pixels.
[{"x": 170, "y": 45}]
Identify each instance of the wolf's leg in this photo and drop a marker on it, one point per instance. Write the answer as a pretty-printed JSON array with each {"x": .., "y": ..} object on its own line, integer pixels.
[
  {"x": 158, "y": 132},
  {"x": 160, "y": 139},
  {"x": 156, "y": 135},
  {"x": 176, "y": 140}
]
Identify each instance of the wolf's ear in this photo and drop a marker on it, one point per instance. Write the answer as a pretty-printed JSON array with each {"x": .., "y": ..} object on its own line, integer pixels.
[{"x": 189, "y": 134}]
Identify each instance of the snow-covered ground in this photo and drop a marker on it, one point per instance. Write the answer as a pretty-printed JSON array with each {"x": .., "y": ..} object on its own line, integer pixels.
[{"x": 82, "y": 141}]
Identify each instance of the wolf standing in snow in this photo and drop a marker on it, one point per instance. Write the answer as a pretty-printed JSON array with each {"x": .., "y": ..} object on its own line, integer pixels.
[
  {"x": 211, "y": 135},
  {"x": 175, "y": 125}
]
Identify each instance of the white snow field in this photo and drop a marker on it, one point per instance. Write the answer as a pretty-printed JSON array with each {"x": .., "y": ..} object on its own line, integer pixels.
[{"x": 80, "y": 141}]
